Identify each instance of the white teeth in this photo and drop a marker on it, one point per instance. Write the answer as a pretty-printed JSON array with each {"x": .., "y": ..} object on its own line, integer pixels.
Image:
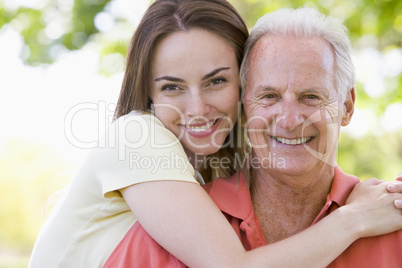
[
  {"x": 201, "y": 128},
  {"x": 293, "y": 141}
]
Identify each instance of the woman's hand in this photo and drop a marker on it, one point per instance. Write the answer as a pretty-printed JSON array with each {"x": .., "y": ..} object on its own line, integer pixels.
[
  {"x": 396, "y": 188},
  {"x": 376, "y": 206}
]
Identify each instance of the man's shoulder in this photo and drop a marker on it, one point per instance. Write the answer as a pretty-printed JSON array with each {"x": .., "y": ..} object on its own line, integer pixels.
[
  {"x": 377, "y": 251},
  {"x": 226, "y": 183},
  {"x": 231, "y": 195},
  {"x": 342, "y": 186}
]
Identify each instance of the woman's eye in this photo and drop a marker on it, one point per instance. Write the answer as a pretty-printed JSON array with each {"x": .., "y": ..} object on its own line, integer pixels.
[
  {"x": 217, "y": 81},
  {"x": 170, "y": 88}
]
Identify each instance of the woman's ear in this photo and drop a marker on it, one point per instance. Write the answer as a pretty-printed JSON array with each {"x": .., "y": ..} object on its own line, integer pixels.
[{"x": 349, "y": 106}]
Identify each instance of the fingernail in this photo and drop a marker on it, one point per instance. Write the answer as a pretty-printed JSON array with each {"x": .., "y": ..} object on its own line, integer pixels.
[
  {"x": 398, "y": 203},
  {"x": 391, "y": 187}
]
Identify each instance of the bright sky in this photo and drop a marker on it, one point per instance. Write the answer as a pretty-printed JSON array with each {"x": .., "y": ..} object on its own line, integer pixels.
[
  {"x": 66, "y": 105},
  {"x": 63, "y": 105}
]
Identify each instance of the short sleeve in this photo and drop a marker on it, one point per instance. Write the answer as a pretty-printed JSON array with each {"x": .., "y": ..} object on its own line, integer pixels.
[{"x": 140, "y": 149}]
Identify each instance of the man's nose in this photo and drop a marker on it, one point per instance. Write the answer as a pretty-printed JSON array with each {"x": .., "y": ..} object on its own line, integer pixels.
[{"x": 290, "y": 116}]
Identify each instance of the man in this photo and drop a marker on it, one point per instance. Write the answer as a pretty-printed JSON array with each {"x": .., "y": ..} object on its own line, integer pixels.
[
  {"x": 299, "y": 89},
  {"x": 298, "y": 79}
]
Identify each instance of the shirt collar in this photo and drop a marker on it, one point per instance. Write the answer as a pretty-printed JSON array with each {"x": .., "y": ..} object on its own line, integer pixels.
[
  {"x": 231, "y": 195},
  {"x": 342, "y": 185}
]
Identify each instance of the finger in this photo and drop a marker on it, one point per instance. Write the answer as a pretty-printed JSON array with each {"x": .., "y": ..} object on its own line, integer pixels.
[
  {"x": 399, "y": 176},
  {"x": 398, "y": 203},
  {"x": 395, "y": 187}
]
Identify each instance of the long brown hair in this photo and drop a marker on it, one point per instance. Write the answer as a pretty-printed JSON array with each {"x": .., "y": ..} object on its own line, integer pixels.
[{"x": 165, "y": 17}]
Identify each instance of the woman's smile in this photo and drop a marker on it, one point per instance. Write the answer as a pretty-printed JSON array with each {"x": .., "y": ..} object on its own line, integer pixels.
[{"x": 204, "y": 128}]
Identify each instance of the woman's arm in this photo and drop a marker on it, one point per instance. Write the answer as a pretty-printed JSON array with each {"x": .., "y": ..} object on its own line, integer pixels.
[{"x": 182, "y": 218}]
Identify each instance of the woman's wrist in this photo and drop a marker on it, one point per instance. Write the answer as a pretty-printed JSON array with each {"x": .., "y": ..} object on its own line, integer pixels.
[{"x": 351, "y": 222}]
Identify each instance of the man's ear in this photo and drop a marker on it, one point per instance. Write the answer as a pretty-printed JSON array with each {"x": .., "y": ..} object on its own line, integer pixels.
[{"x": 349, "y": 107}]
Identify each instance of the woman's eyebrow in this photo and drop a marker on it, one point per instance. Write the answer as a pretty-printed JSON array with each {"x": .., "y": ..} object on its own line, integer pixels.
[
  {"x": 214, "y": 72},
  {"x": 169, "y": 78},
  {"x": 175, "y": 79}
]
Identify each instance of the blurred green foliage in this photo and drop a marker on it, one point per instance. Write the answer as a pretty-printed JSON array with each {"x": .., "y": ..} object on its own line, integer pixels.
[
  {"x": 371, "y": 155},
  {"x": 29, "y": 175},
  {"x": 61, "y": 25}
]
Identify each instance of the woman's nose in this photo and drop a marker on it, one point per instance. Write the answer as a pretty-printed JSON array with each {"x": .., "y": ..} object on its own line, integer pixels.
[{"x": 197, "y": 105}]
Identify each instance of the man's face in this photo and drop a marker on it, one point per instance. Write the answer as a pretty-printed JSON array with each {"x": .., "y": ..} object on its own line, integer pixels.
[{"x": 291, "y": 103}]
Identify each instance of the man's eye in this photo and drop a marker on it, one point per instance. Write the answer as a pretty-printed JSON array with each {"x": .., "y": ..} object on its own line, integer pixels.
[
  {"x": 312, "y": 97},
  {"x": 170, "y": 88},
  {"x": 269, "y": 96}
]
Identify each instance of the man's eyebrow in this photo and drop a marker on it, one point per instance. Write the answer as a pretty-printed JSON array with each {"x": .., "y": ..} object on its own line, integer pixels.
[
  {"x": 323, "y": 90},
  {"x": 169, "y": 78},
  {"x": 214, "y": 72},
  {"x": 264, "y": 88}
]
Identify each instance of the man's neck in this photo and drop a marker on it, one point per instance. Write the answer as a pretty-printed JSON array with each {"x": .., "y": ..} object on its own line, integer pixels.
[{"x": 286, "y": 205}]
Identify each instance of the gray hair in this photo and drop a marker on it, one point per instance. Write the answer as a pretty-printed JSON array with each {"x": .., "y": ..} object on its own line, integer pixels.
[{"x": 306, "y": 22}]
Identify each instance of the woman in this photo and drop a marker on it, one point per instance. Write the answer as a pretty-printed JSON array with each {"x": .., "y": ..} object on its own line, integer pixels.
[{"x": 183, "y": 63}]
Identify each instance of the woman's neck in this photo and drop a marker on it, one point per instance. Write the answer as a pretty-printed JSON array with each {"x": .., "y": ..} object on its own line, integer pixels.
[
  {"x": 200, "y": 164},
  {"x": 197, "y": 161}
]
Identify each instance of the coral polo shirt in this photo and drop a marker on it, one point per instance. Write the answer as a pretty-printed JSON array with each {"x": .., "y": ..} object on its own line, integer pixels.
[{"x": 232, "y": 196}]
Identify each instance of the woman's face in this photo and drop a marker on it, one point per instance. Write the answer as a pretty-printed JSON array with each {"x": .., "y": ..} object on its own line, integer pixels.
[{"x": 195, "y": 89}]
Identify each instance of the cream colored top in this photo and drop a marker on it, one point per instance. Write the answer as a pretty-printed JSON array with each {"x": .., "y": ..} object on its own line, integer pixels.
[{"x": 91, "y": 218}]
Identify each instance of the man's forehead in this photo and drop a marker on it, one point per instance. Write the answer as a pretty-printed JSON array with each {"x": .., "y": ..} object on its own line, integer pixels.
[
  {"x": 271, "y": 51},
  {"x": 290, "y": 62},
  {"x": 270, "y": 43}
]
